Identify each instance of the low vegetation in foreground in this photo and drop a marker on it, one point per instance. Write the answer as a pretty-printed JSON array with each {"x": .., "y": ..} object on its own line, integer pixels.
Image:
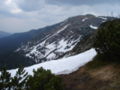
[{"x": 40, "y": 80}]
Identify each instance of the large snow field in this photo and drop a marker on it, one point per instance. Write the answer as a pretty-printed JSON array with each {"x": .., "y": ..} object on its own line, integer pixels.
[{"x": 64, "y": 65}]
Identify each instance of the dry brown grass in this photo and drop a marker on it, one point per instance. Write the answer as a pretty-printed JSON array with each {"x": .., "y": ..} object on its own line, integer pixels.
[{"x": 106, "y": 77}]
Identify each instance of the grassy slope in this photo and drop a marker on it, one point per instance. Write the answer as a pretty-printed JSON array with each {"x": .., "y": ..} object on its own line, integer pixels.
[{"x": 99, "y": 74}]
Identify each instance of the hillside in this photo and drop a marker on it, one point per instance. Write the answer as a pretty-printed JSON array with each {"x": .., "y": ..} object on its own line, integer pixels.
[
  {"x": 96, "y": 75},
  {"x": 103, "y": 72}
]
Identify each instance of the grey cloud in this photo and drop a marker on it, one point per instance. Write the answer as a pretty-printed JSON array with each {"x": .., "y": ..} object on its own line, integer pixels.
[
  {"x": 39, "y": 13},
  {"x": 30, "y": 5},
  {"x": 81, "y": 2}
]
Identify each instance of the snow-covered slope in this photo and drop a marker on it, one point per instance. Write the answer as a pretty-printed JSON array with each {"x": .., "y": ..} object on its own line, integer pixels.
[
  {"x": 61, "y": 39},
  {"x": 63, "y": 66}
]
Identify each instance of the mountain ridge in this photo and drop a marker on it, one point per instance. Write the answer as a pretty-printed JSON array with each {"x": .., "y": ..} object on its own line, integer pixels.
[
  {"x": 4, "y": 34},
  {"x": 51, "y": 42}
]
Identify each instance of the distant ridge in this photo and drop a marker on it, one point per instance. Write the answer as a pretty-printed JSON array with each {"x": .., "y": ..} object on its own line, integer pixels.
[{"x": 4, "y": 34}]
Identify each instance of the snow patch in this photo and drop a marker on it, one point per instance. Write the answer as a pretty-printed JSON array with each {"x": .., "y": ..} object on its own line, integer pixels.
[
  {"x": 93, "y": 27},
  {"x": 84, "y": 19},
  {"x": 104, "y": 18},
  {"x": 63, "y": 66}
]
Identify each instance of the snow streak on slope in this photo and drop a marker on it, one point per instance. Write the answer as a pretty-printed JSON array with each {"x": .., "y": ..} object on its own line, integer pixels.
[
  {"x": 65, "y": 65},
  {"x": 93, "y": 27},
  {"x": 59, "y": 31},
  {"x": 63, "y": 28}
]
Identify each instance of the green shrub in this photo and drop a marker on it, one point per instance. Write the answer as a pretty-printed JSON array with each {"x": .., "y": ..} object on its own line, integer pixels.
[
  {"x": 44, "y": 80},
  {"x": 20, "y": 79},
  {"x": 108, "y": 39},
  {"x": 98, "y": 62}
]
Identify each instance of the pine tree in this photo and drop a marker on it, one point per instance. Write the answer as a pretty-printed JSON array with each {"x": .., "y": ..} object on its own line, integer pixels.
[
  {"x": 40, "y": 80},
  {"x": 5, "y": 80},
  {"x": 44, "y": 80},
  {"x": 20, "y": 79}
]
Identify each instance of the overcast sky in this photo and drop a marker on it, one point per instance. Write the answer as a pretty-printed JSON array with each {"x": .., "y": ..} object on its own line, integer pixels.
[{"x": 24, "y": 15}]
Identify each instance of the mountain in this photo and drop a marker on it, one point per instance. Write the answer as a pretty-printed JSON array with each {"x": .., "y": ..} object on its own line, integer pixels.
[
  {"x": 62, "y": 39},
  {"x": 52, "y": 42},
  {"x": 3, "y": 34},
  {"x": 8, "y": 57}
]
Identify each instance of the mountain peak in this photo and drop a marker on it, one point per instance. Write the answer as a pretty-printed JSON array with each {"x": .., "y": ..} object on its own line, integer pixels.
[{"x": 82, "y": 16}]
